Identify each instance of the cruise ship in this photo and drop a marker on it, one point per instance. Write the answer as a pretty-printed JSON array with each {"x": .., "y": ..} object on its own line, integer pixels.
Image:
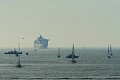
[{"x": 41, "y": 43}]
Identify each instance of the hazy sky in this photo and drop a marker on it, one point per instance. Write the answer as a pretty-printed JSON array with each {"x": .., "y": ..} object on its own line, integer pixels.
[{"x": 89, "y": 23}]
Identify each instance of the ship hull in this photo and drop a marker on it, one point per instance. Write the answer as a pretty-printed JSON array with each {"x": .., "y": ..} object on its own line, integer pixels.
[{"x": 39, "y": 46}]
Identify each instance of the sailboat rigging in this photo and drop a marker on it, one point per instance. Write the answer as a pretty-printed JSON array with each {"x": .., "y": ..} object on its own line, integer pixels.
[
  {"x": 109, "y": 51},
  {"x": 18, "y": 64},
  {"x": 73, "y": 59}
]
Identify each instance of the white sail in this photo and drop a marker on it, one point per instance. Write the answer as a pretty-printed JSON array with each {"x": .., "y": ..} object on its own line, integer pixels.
[{"x": 73, "y": 52}]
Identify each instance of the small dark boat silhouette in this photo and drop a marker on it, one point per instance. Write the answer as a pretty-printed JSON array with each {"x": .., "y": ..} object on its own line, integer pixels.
[
  {"x": 70, "y": 56},
  {"x": 58, "y": 53},
  {"x": 18, "y": 65},
  {"x": 27, "y": 53},
  {"x": 109, "y": 57},
  {"x": 35, "y": 50}
]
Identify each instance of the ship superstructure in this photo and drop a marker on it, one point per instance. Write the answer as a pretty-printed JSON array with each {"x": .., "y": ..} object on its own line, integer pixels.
[{"x": 41, "y": 43}]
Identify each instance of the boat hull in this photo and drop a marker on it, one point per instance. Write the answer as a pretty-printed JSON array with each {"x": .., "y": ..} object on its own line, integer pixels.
[
  {"x": 40, "y": 46},
  {"x": 70, "y": 56}
]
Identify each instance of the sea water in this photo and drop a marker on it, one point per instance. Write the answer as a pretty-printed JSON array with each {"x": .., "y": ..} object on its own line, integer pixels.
[{"x": 43, "y": 64}]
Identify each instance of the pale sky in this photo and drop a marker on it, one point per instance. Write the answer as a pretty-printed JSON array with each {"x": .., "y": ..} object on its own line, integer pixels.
[{"x": 89, "y": 23}]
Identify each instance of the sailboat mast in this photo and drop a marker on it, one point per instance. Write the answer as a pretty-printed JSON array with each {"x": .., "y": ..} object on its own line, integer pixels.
[
  {"x": 73, "y": 53},
  {"x": 58, "y": 52},
  {"x": 110, "y": 50}
]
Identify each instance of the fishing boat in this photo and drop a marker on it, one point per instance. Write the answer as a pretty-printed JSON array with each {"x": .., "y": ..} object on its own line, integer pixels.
[
  {"x": 58, "y": 53},
  {"x": 16, "y": 53}
]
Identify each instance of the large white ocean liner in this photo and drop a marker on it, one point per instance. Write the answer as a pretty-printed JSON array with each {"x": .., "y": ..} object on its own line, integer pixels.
[{"x": 41, "y": 43}]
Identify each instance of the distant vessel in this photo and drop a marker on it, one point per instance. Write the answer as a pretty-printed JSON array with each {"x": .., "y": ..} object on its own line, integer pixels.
[
  {"x": 27, "y": 53},
  {"x": 41, "y": 43},
  {"x": 17, "y": 54},
  {"x": 109, "y": 51},
  {"x": 58, "y": 53},
  {"x": 13, "y": 52},
  {"x": 18, "y": 64},
  {"x": 72, "y": 55}
]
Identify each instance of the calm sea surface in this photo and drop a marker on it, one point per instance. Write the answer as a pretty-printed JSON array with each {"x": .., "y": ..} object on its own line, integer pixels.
[{"x": 92, "y": 64}]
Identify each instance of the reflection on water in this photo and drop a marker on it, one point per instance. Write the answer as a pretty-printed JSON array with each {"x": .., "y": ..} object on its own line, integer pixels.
[{"x": 92, "y": 64}]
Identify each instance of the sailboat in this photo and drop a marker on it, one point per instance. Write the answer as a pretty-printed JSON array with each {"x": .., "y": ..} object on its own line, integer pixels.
[
  {"x": 72, "y": 55},
  {"x": 18, "y": 64},
  {"x": 58, "y": 53},
  {"x": 108, "y": 52},
  {"x": 73, "y": 52}
]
